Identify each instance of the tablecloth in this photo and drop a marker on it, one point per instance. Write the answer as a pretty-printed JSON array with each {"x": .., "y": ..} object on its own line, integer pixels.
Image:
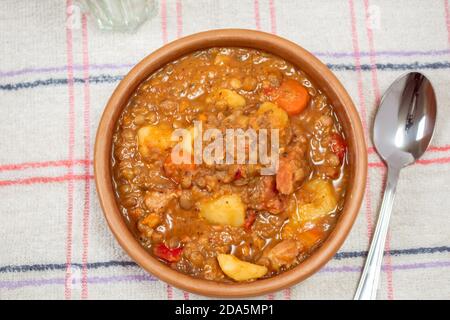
[{"x": 57, "y": 71}]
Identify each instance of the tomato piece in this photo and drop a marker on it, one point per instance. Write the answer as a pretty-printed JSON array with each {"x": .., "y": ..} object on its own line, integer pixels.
[
  {"x": 292, "y": 97},
  {"x": 167, "y": 254},
  {"x": 238, "y": 175},
  {"x": 338, "y": 145},
  {"x": 251, "y": 217}
]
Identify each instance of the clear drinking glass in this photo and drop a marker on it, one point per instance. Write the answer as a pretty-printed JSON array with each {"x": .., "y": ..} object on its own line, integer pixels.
[{"x": 121, "y": 15}]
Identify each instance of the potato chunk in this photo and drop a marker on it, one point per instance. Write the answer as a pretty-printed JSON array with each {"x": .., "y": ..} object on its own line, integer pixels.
[
  {"x": 316, "y": 199},
  {"x": 233, "y": 99},
  {"x": 240, "y": 270},
  {"x": 225, "y": 210},
  {"x": 158, "y": 136},
  {"x": 278, "y": 117},
  {"x": 152, "y": 220}
]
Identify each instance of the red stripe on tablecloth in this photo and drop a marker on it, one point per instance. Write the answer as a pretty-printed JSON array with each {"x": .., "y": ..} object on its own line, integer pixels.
[
  {"x": 438, "y": 148},
  {"x": 377, "y": 165},
  {"x": 169, "y": 291},
  {"x": 372, "y": 54},
  {"x": 71, "y": 145},
  {"x": 87, "y": 156},
  {"x": 37, "y": 180},
  {"x": 447, "y": 20},
  {"x": 34, "y": 180},
  {"x": 287, "y": 294},
  {"x": 164, "y": 21},
  {"x": 256, "y": 14},
  {"x": 273, "y": 17},
  {"x": 179, "y": 9},
  {"x": 362, "y": 101},
  {"x": 67, "y": 163},
  {"x": 44, "y": 164},
  {"x": 443, "y": 148},
  {"x": 430, "y": 161},
  {"x": 424, "y": 162},
  {"x": 376, "y": 90}
]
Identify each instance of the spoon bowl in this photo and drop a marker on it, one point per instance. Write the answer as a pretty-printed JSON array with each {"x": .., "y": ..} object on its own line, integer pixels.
[{"x": 405, "y": 120}]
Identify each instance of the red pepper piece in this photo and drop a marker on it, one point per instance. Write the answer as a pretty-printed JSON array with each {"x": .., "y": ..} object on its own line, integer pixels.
[
  {"x": 167, "y": 254},
  {"x": 238, "y": 174},
  {"x": 338, "y": 145}
]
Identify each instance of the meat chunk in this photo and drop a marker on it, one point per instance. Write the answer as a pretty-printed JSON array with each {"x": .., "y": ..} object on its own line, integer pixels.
[
  {"x": 263, "y": 195},
  {"x": 285, "y": 176},
  {"x": 272, "y": 200},
  {"x": 292, "y": 170},
  {"x": 284, "y": 254},
  {"x": 156, "y": 201}
]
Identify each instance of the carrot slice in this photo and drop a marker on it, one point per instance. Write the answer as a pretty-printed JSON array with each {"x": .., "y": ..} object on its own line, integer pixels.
[
  {"x": 310, "y": 238},
  {"x": 292, "y": 97}
]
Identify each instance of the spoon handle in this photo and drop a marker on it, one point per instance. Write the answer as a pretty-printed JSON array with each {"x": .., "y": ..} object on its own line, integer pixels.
[{"x": 368, "y": 284}]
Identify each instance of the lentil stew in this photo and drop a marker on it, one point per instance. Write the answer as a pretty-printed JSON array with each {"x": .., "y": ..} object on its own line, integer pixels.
[{"x": 229, "y": 222}]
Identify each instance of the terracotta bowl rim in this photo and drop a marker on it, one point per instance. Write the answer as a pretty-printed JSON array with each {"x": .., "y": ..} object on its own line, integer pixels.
[{"x": 240, "y": 38}]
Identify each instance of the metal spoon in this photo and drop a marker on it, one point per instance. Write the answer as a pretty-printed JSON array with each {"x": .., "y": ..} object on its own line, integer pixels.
[{"x": 403, "y": 128}]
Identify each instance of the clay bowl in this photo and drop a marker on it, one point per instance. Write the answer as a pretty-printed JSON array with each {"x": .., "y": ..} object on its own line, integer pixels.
[{"x": 318, "y": 73}]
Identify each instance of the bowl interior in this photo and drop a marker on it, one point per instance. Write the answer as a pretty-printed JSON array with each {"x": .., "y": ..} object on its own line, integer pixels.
[{"x": 322, "y": 77}]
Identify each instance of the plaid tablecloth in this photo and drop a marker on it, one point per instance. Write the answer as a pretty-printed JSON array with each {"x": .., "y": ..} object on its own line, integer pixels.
[{"x": 57, "y": 70}]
